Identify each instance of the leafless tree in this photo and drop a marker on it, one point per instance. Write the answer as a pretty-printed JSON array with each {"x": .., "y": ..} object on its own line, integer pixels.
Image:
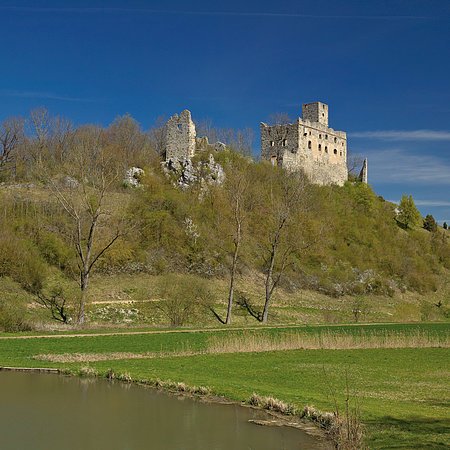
[
  {"x": 86, "y": 205},
  {"x": 157, "y": 135},
  {"x": 55, "y": 303},
  {"x": 288, "y": 203},
  {"x": 236, "y": 190},
  {"x": 11, "y": 135},
  {"x": 280, "y": 118}
]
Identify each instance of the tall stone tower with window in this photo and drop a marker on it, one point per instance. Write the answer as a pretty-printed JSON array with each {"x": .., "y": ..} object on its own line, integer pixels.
[{"x": 308, "y": 145}]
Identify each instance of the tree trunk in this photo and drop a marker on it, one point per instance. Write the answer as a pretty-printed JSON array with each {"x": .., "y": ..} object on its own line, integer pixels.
[
  {"x": 269, "y": 285},
  {"x": 233, "y": 275},
  {"x": 84, "y": 284}
]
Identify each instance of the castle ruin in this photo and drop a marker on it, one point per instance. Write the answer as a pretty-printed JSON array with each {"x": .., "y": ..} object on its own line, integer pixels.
[
  {"x": 181, "y": 141},
  {"x": 180, "y": 137},
  {"x": 308, "y": 145}
]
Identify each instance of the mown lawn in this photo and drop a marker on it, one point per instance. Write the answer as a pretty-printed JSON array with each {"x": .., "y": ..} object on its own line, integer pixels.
[{"x": 402, "y": 393}]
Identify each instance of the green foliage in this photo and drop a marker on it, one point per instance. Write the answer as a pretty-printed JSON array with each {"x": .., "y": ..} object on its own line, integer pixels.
[
  {"x": 183, "y": 297},
  {"x": 430, "y": 224},
  {"x": 14, "y": 316},
  {"x": 408, "y": 214},
  {"x": 20, "y": 260}
]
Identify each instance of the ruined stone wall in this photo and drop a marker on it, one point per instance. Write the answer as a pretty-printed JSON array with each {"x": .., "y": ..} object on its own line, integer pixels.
[
  {"x": 311, "y": 146},
  {"x": 279, "y": 142},
  {"x": 180, "y": 137}
]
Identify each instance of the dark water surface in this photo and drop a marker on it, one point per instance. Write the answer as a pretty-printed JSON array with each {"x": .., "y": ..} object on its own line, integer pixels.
[{"x": 42, "y": 411}]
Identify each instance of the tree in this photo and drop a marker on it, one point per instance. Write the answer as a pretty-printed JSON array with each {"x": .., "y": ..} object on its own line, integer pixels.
[
  {"x": 85, "y": 202},
  {"x": 408, "y": 214},
  {"x": 288, "y": 198},
  {"x": 236, "y": 191},
  {"x": 430, "y": 224},
  {"x": 182, "y": 297},
  {"x": 11, "y": 135},
  {"x": 280, "y": 118},
  {"x": 445, "y": 226}
]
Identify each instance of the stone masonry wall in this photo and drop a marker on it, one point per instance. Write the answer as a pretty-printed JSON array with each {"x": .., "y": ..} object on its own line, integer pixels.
[
  {"x": 180, "y": 137},
  {"x": 311, "y": 146}
]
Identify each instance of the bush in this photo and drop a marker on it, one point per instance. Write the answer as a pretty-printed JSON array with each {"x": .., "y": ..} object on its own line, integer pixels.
[
  {"x": 13, "y": 316},
  {"x": 183, "y": 297}
]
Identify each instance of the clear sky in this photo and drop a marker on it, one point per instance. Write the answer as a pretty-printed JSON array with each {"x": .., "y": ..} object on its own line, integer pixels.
[{"x": 383, "y": 66}]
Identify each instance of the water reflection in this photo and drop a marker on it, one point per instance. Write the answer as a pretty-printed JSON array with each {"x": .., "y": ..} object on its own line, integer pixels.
[{"x": 50, "y": 412}]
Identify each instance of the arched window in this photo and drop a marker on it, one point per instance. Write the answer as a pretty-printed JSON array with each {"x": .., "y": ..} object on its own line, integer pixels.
[
  {"x": 320, "y": 136},
  {"x": 326, "y": 149},
  {"x": 335, "y": 140},
  {"x": 309, "y": 145},
  {"x": 320, "y": 147},
  {"x": 272, "y": 143},
  {"x": 335, "y": 151},
  {"x": 284, "y": 142}
]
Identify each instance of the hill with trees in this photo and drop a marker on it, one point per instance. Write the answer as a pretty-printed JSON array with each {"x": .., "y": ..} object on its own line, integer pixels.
[{"x": 207, "y": 251}]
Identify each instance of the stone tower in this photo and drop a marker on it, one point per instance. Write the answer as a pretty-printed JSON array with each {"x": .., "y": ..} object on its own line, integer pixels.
[
  {"x": 180, "y": 137},
  {"x": 315, "y": 112},
  {"x": 309, "y": 145}
]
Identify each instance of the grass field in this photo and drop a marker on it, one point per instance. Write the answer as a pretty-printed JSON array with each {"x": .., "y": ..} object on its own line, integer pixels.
[{"x": 402, "y": 392}]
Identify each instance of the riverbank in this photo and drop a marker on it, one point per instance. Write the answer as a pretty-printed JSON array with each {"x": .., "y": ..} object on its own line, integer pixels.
[{"x": 400, "y": 391}]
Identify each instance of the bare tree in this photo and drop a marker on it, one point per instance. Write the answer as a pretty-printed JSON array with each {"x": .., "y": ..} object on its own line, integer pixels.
[
  {"x": 157, "y": 135},
  {"x": 11, "y": 135},
  {"x": 280, "y": 118},
  {"x": 236, "y": 190},
  {"x": 55, "y": 303},
  {"x": 86, "y": 205},
  {"x": 288, "y": 201}
]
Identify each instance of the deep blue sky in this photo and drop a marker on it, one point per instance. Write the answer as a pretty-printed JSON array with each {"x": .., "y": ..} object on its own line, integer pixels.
[{"x": 382, "y": 66}]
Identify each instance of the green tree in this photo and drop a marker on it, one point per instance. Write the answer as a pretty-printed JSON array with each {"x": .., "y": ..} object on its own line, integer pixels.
[
  {"x": 408, "y": 214},
  {"x": 430, "y": 223},
  {"x": 445, "y": 226}
]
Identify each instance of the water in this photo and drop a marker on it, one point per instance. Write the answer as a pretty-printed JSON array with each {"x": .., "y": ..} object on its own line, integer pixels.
[{"x": 42, "y": 411}]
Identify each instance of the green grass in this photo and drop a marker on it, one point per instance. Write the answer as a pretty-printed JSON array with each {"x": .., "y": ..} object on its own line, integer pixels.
[{"x": 402, "y": 392}]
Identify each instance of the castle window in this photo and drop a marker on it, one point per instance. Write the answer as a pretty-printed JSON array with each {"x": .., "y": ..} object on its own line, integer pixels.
[
  {"x": 305, "y": 134},
  {"x": 335, "y": 140},
  {"x": 340, "y": 153},
  {"x": 272, "y": 143},
  {"x": 309, "y": 144},
  {"x": 326, "y": 136},
  {"x": 180, "y": 127},
  {"x": 310, "y": 133},
  {"x": 320, "y": 147},
  {"x": 335, "y": 151},
  {"x": 284, "y": 142},
  {"x": 320, "y": 136},
  {"x": 326, "y": 149}
]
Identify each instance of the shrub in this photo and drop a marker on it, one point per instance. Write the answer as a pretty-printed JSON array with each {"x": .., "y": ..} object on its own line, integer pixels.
[{"x": 183, "y": 297}]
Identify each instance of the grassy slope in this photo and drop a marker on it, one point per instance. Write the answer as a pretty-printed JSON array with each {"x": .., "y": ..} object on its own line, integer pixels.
[
  {"x": 402, "y": 391},
  {"x": 138, "y": 291}
]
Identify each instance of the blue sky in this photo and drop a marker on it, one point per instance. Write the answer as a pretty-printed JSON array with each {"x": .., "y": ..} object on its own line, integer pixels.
[{"x": 382, "y": 66}]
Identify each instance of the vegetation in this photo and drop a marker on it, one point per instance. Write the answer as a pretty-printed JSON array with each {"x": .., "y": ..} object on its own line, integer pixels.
[
  {"x": 398, "y": 390},
  {"x": 68, "y": 219}
]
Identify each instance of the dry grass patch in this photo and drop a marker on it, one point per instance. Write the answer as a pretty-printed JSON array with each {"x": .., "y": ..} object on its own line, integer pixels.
[
  {"x": 328, "y": 340},
  {"x": 96, "y": 357}
]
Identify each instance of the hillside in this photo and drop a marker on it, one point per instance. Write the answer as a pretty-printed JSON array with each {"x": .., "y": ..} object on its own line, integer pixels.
[{"x": 168, "y": 249}]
